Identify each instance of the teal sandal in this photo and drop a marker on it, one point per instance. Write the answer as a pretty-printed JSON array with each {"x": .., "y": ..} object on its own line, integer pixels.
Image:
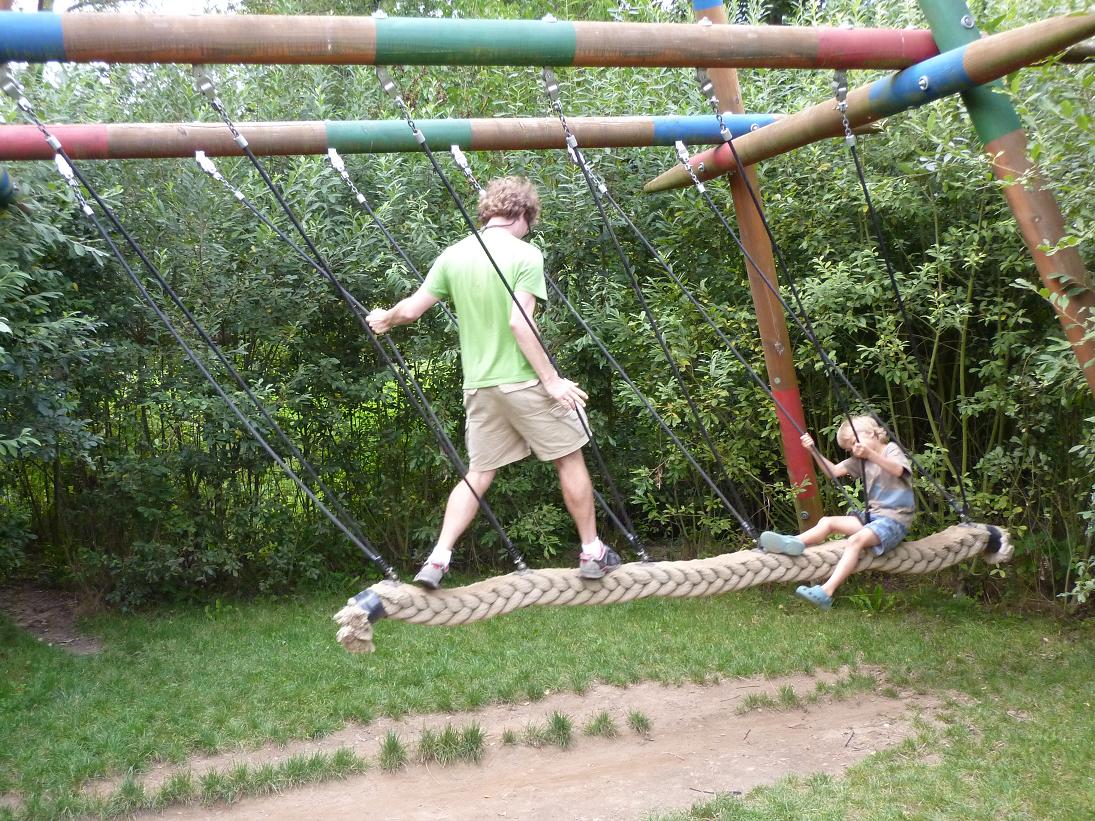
[
  {"x": 815, "y": 595},
  {"x": 771, "y": 542}
]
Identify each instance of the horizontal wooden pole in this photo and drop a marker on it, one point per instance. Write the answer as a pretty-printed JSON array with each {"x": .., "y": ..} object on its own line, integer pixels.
[
  {"x": 131, "y": 38},
  {"x": 156, "y": 140},
  {"x": 953, "y": 72},
  {"x": 137, "y": 38}
]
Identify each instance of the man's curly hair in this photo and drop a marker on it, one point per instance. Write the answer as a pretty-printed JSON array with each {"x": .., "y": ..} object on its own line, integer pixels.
[{"x": 510, "y": 197}]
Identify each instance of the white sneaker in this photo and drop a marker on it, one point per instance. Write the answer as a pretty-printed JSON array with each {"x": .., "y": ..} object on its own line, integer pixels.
[
  {"x": 430, "y": 575},
  {"x": 590, "y": 568}
]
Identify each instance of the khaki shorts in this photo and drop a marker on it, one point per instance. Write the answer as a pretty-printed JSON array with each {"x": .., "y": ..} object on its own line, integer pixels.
[{"x": 506, "y": 423}]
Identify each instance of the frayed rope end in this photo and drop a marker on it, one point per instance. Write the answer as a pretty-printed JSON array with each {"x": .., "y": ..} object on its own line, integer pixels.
[
  {"x": 355, "y": 632},
  {"x": 999, "y": 548}
]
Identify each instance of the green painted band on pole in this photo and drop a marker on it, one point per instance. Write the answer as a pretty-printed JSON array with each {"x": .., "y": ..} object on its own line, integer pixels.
[
  {"x": 459, "y": 42},
  {"x": 953, "y": 25},
  {"x": 381, "y": 136}
]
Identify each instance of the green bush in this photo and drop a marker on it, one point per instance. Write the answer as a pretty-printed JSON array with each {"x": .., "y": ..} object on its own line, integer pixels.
[{"x": 138, "y": 483}]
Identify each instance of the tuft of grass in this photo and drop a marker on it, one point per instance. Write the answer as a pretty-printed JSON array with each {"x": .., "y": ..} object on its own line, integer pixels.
[
  {"x": 177, "y": 789},
  {"x": 601, "y": 724},
  {"x": 392, "y": 755},
  {"x": 846, "y": 687},
  {"x": 216, "y": 786},
  {"x": 473, "y": 743},
  {"x": 345, "y": 761},
  {"x": 451, "y": 745},
  {"x": 757, "y": 701},
  {"x": 242, "y": 780},
  {"x": 509, "y": 737},
  {"x": 429, "y": 746},
  {"x": 536, "y": 735},
  {"x": 788, "y": 699},
  {"x": 265, "y": 779},
  {"x": 874, "y": 599},
  {"x": 448, "y": 746},
  {"x": 130, "y": 797},
  {"x": 303, "y": 769},
  {"x": 560, "y": 730},
  {"x": 785, "y": 699},
  {"x": 639, "y": 722}
]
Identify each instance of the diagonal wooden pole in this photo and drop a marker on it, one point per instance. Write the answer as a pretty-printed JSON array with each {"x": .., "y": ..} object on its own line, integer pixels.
[
  {"x": 1032, "y": 203},
  {"x": 771, "y": 322}
]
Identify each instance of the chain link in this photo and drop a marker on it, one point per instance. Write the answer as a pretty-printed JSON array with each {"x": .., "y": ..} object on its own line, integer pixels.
[
  {"x": 682, "y": 155},
  {"x": 336, "y": 162},
  {"x": 392, "y": 90},
  {"x": 707, "y": 87},
  {"x": 465, "y": 168},
  {"x": 575, "y": 153},
  {"x": 840, "y": 91}
]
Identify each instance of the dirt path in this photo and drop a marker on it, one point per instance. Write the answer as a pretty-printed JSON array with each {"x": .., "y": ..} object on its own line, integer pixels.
[{"x": 699, "y": 745}]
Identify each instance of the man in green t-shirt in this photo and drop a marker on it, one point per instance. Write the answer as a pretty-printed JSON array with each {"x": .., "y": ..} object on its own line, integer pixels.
[{"x": 516, "y": 402}]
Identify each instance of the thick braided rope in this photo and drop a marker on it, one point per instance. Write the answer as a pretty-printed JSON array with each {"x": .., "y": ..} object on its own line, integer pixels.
[{"x": 696, "y": 578}]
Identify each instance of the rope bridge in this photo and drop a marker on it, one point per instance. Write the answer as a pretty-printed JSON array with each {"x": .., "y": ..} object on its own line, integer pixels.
[{"x": 683, "y": 579}]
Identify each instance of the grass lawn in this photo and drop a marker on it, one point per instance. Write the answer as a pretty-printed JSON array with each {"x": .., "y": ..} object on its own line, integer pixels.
[{"x": 185, "y": 680}]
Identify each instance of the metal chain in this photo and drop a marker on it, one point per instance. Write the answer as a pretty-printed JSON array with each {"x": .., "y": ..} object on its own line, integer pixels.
[
  {"x": 840, "y": 91},
  {"x": 707, "y": 86}
]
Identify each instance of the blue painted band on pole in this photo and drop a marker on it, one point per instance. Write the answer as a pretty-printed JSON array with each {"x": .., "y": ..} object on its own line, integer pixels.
[
  {"x": 32, "y": 37},
  {"x": 943, "y": 75}
]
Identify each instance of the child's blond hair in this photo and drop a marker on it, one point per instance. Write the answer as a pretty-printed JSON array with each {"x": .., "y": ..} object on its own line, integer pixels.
[{"x": 863, "y": 424}]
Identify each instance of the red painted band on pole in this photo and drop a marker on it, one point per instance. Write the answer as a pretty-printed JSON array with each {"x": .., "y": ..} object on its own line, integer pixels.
[
  {"x": 800, "y": 465},
  {"x": 844, "y": 48}
]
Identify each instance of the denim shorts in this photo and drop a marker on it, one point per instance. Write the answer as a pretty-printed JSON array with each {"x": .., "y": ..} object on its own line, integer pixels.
[{"x": 890, "y": 533}]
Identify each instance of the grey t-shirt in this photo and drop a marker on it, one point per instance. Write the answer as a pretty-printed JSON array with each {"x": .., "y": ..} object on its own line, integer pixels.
[{"x": 887, "y": 495}]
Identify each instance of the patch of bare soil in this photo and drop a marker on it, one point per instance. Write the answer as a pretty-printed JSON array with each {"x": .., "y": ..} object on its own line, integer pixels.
[
  {"x": 699, "y": 745},
  {"x": 49, "y": 616},
  {"x": 10, "y": 801}
]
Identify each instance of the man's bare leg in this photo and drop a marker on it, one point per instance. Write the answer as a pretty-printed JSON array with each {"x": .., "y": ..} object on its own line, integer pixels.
[
  {"x": 577, "y": 490},
  {"x": 596, "y": 558},
  {"x": 459, "y": 513},
  {"x": 462, "y": 507}
]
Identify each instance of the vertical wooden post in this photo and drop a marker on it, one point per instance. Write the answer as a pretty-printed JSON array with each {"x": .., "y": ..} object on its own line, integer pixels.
[
  {"x": 771, "y": 323},
  {"x": 1034, "y": 207}
]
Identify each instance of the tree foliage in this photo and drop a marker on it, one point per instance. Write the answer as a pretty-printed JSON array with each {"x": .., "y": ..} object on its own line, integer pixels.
[{"x": 125, "y": 474}]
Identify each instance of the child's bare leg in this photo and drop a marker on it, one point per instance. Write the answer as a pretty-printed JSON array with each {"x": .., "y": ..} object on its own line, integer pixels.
[
  {"x": 827, "y": 526},
  {"x": 863, "y": 539}
]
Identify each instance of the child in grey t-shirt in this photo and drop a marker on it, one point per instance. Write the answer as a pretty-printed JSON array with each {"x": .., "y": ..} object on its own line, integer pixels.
[{"x": 891, "y": 505}]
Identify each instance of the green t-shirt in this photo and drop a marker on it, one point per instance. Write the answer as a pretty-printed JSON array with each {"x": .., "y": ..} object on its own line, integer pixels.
[{"x": 464, "y": 276}]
